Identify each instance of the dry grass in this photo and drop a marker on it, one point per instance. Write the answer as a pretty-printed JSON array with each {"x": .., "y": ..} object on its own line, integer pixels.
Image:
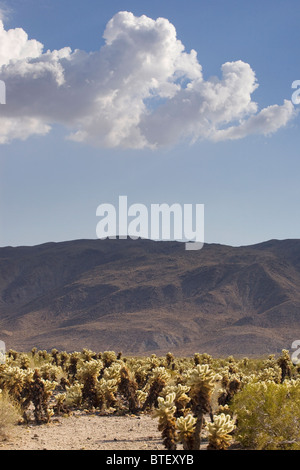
[{"x": 9, "y": 416}]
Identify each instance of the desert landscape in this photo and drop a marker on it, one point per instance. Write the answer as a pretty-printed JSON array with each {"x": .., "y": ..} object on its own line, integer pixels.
[
  {"x": 149, "y": 237},
  {"x": 103, "y": 401}
]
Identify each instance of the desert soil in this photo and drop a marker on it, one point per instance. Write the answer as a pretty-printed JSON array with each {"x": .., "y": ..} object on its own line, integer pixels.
[{"x": 82, "y": 431}]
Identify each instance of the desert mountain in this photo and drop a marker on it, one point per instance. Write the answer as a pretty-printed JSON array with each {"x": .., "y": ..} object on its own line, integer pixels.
[{"x": 142, "y": 297}]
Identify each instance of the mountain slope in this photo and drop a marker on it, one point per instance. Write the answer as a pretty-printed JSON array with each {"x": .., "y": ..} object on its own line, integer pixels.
[{"x": 151, "y": 297}]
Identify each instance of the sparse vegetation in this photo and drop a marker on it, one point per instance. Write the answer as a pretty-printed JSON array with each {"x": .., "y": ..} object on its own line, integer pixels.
[
  {"x": 196, "y": 400},
  {"x": 9, "y": 415}
]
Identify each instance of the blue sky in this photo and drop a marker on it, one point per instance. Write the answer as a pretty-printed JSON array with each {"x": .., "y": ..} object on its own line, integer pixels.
[{"x": 247, "y": 177}]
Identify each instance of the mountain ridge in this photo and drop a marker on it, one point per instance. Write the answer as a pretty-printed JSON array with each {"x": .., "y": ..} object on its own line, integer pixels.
[{"x": 142, "y": 297}]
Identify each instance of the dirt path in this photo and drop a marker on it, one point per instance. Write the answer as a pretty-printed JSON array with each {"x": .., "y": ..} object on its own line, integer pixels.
[{"x": 88, "y": 432}]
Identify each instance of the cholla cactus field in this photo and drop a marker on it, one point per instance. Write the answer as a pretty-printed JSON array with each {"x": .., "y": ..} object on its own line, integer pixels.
[{"x": 199, "y": 402}]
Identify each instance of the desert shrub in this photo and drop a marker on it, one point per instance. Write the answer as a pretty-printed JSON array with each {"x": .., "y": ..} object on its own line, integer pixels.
[
  {"x": 268, "y": 415},
  {"x": 9, "y": 415}
]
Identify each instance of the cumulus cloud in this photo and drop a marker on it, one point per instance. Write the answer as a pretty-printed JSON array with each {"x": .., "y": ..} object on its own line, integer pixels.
[
  {"x": 141, "y": 89},
  {"x": 5, "y": 11}
]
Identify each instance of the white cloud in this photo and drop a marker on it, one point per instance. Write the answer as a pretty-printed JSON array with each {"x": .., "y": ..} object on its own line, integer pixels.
[
  {"x": 141, "y": 89},
  {"x": 5, "y": 11},
  {"x": 267, "y": 121},
  {"x": 21, "y": 128},
  {"x": 15, "y": 45}
]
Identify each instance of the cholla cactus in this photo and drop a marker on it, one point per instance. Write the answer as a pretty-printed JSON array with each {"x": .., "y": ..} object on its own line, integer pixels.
[
  {"x": 231, "y": 386},
  {"x": 44, "y": 355},
  {"x": 169, "y": 359},
  {"x": 65, "y": 401},
  {"x": 12, "y": 354},
  {"x": 73, "y": 396},
  {"x": 140, "y": 372},
  {"x": 108, "y": 357},
  {"x": 166, "y": 406},
  {"x": 285, "y": 364},
  {"x": 202, "y": 359},
  {"x": 63, "y": 358},
  {"x": 186, "y": 431},
  {"x": 24, "y": 361},
  {"x": 159, "y": 373},
  {"x": 181, "y": 397},
  {"x": 167, "y": 422},
  {"x": 219, "y": 430},
  {"x": 106, "y": 393},
  {"x": 97, "y": 392},
  {"x": 34, "y": 351},
  {"x": 27, "y": 386},
  {"x": 54, "y": 354},
  {"x": 87, "y": 355},
  {"x": 16, "y": 381},
  {"x": 270, "y": 373},
  {"x": 88, "y": 375},
  {"x": 89, "y": 369},
  {"x": 51, "y": 372},
  {"x": 202, "y": 381},
  {"x": 72, "y": 366},
  {"x": 40, "y": 391},
  {"x": 141, "y": 396},
  {"x": 113, "y": 371},
  {"x": 128, "y": 388},
  {"x": 225, "y": 409},
  {"x": 157, "y": 381},
  {"x": 197, "y": 359},
  {"x": 60, "y": 407}
]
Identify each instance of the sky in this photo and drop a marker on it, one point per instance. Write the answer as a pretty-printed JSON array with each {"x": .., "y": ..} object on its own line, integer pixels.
[{"x": 164, "y": 102}]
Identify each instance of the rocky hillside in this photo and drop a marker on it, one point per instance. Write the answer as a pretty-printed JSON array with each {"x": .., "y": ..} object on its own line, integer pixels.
[{"x": 151, "y": 297}]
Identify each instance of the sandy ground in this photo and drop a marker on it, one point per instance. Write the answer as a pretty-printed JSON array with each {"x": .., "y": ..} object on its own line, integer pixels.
[{"x": 88, "y": 432}]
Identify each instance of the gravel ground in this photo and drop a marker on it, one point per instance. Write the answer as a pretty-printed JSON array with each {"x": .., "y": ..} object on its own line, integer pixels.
[{"x": 88, "y": 432}]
